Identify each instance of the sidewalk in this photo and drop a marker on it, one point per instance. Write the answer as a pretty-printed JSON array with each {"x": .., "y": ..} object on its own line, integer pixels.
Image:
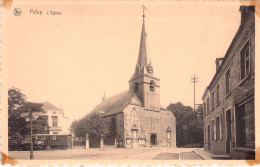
[
  {"x": 209, "y": 156},
  {"x": 203, "y": 154}
]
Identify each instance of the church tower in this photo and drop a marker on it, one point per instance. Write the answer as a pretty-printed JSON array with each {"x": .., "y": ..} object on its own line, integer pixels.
[{"x": 143, "y": 83}]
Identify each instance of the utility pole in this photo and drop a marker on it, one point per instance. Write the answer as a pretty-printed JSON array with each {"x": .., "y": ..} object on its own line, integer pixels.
[
  {"x": 194, "y": 80},
  {"x": 31, "y": 151}
]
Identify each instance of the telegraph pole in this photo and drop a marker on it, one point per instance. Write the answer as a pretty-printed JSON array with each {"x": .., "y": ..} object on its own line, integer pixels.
[
  {"x": 194, "y": 80},
  {"x": 31, "y": 150}
]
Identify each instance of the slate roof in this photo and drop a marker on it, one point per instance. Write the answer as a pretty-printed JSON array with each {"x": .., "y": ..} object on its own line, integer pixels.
[{"x": 116, "y": 103}]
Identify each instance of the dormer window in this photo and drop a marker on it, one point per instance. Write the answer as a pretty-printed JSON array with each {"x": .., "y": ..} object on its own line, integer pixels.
[{"x": 152, "y": 85}]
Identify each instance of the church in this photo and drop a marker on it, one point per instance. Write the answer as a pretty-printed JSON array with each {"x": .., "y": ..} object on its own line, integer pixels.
[{"x": 137, "y": 118}]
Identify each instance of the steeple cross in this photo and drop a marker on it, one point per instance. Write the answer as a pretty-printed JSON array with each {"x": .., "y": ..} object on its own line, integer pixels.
[{"x": 144, "y": 8}]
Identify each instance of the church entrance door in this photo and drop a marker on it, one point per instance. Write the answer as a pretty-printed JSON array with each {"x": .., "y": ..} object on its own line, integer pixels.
[{"x": 153, "y": 139}]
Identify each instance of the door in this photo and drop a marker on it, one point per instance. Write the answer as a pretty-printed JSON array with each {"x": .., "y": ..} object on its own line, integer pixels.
[
  {"x": 208, "y": 137},
  {"x": 228, "y": 123},
  {"x": 153, "y": 139}
]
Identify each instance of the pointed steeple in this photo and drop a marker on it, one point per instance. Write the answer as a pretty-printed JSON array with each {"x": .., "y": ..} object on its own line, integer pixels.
[
  {"x": 143, "y": 59},
  {"x": 143, "y": 65}
]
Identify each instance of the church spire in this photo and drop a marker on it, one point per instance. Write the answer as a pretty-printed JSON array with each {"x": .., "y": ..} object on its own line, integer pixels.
[
  {"x": 143, "y": 65},
  {"x": 143, "y": 60}
]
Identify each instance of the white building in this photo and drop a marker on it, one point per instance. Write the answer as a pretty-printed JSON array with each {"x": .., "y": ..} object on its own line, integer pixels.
[{"x": 56, "y": 118}]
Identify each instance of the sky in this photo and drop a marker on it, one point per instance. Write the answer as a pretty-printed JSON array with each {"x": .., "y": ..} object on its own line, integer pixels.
[{"x": 92, "y": 48}]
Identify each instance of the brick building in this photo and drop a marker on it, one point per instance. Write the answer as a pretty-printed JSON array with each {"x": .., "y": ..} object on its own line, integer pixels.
[
  {"x": 136, "y": 114},
  {"x": 229, "y": 115}
]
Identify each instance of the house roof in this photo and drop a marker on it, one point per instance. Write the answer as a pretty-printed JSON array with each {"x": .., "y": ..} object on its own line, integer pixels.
[
  {"x": 116, "y": 103},
  {"x": 48, "y": 106}
]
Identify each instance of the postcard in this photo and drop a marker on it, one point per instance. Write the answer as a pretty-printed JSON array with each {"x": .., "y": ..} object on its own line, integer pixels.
[{"x": 129, "y": 83}]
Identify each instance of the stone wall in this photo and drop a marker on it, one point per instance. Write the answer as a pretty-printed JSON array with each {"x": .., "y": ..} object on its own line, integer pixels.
[{"x": 149, "y": 122}]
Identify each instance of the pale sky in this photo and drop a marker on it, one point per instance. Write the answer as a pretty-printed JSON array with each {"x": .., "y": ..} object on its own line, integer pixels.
[{"x": 92, "y": 48}]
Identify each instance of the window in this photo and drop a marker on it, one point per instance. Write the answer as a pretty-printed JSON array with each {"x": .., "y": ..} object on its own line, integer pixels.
[
  {"x": 212, "y": 100},
  {"x": 212, "y": 130},
  {"x": 205, "y": 138},
  {"x": 227, "y": 80},
  {"x": 53, "y": 137},
  {"x": 217, "y": 94},
  {"x": 55, "y": 133},
  {"x": 55, "y": 121},
  {"x": 204, "y": 110},
  {"x": 245, "y": 125},
  {"x": 207, "y": 105},
  {"x": 152, "y": 85},
  {"x": 245, "y": 61},
  {"x": 218, "y": 128},
  {"x": 136, "y": 87}
]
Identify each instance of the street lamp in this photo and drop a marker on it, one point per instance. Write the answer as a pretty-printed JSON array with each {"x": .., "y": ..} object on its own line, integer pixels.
[{"x": 31, "y": 116}]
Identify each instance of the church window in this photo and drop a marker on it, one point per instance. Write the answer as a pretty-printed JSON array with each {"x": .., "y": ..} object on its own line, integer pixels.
[
  {"x": 152, "y": 85},
  {"x": 136, "y": 87}
]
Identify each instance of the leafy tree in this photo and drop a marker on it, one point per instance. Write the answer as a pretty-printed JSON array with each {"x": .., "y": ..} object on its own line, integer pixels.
[
  {"x": 189, "y": 129},
  {"x": 92, "y": 124},
  {"x": 17, "y": 105},
  {"x": 77, "y": 128},
  {"x": 15, "y": 100},
  {"x": 95, "y": 124}
]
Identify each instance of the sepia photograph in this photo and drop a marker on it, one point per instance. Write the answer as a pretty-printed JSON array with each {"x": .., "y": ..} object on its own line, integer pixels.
[{"x": 151, "y": 81}]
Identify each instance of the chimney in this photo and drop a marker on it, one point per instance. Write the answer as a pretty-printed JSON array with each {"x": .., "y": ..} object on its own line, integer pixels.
[
  {"x": 218, "y": 63},
  {"x": 245, "y": 10}
]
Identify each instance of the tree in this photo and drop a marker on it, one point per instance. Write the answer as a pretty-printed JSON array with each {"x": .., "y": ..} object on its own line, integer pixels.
[
  {"x": 189, "y": 129},
  {"x": 95, "y": 124},
  {"x": 77, "y": 128},
  {"x": 17, "y": 105},
  {"x": 15, "y": 100},
  {"x": 92, "y": 124}
]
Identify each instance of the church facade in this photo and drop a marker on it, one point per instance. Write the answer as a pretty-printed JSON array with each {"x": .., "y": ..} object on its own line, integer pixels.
[{"x": 137, "y": 118}]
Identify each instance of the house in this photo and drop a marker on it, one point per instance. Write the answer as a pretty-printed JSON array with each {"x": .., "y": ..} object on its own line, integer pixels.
[
  {"x": 55, "y": 117},
  {"x": 229, "y": 114},
  {"x": 138, "y": 119}
]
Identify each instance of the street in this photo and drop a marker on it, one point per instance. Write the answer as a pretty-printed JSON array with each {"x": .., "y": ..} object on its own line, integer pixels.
[{"x": 112, "y": 153}]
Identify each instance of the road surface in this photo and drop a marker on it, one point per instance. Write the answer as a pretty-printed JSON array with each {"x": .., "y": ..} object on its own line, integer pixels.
[{"x": 112, "y": 153}]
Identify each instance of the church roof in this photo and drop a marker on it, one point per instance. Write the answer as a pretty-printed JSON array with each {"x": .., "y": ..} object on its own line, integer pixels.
[{"x": 116, "y": 103}]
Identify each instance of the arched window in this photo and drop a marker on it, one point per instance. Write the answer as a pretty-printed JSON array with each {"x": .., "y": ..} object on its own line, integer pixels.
[
  {"x": 136, "y": 87},
  {"x": 152, "y": 85}
]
